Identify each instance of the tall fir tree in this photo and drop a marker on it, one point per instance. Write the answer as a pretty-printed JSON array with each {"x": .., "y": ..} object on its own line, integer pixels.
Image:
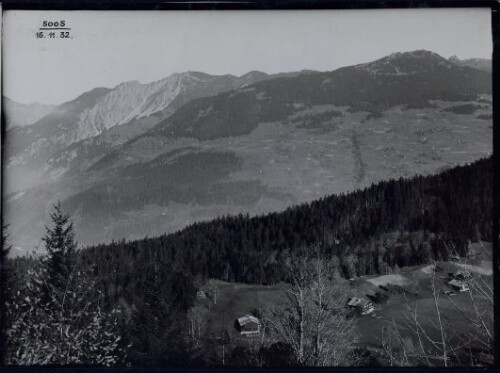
[
  {"x": 61, "y": 248},
  {"x": 60, "y": 317}
]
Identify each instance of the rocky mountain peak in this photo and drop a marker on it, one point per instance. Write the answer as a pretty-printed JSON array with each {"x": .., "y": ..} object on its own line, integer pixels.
[
  {"x": 406, "y": 63},
  {"x": 482, "y": 64}
]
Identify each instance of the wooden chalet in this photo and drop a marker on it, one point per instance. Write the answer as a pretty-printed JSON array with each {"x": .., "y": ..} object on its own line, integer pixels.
[
  {"x": 462, "y": 275},
  {"x": 201, "y": 295},
  {"x": 248, "y": 325},
  {"x": 364, "y": 306}
]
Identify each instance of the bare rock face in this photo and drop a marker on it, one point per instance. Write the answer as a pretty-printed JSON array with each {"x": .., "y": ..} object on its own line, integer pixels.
[{"x": 102, "y": 109}]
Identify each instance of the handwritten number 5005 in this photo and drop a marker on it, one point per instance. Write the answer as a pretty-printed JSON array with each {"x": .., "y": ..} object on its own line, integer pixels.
[{"x": 54, "y": 24}]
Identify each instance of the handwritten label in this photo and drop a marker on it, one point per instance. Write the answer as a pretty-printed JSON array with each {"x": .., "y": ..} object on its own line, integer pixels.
[{"x": 56, "y": 29}]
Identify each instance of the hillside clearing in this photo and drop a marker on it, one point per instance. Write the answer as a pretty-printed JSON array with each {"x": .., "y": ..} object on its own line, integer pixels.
[
  {"x": 235, "y": 300},
  {"x": 486, "y": 267},
  {"x": 393, "y": 279}
]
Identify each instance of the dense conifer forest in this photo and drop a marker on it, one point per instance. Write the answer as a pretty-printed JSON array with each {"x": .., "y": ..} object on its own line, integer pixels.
[{"x": 392, "y": 224}]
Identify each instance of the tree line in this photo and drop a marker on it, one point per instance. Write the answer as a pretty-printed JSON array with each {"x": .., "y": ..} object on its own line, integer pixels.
[
  {"x": 391, "y": 224},
  {"x": 138, "y": 308}
]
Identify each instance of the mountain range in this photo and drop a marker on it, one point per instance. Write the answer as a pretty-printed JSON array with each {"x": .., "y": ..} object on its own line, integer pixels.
[
  {"x": 20, "y": 115},
  {"x": 146, "y": 159},
  {"x": 483, "y": 64},
  {"x": 131, "y": 105}
]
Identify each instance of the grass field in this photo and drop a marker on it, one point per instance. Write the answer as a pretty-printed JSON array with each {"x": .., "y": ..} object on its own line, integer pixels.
[
  {"x": 385, "y": 280},
  {"x": 235, "y": 300},
  {"x": 422, "y": 300}
]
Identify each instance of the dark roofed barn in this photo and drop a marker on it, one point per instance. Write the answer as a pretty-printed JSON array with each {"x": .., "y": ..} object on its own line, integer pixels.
[
  {"x": 248, "y": 325},
  {"x": 364, "y": 306}
]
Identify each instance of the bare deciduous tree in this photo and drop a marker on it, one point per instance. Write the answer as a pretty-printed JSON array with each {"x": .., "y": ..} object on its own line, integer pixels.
[
  {"x": 213, "y": 292},
  {"x": 197, "y": 319},
  {"x": 334, "y": 332},
  {"x": 313, "y": 319},
  {"x": 459, "y": 339}
]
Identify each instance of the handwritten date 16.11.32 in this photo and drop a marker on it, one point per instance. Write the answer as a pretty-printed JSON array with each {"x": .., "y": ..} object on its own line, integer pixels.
[{"x": 54, "y": 30}]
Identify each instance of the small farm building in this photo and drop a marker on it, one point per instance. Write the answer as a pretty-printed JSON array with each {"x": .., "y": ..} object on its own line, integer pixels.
[
  {"x": 248, "y": 325},
  {"x": 458, "y": 285},
  {"x": 362, "y": 305},
  {"x": 200, "y": 294},
  {"x": 462, "y": 275}
]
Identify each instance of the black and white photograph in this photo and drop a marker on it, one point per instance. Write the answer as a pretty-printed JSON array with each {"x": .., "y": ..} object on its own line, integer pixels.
[{"x": 241, "y": 188}]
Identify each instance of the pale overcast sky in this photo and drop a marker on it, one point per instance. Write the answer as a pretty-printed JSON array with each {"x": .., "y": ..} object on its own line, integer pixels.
[{"x": 109, "y": 48}]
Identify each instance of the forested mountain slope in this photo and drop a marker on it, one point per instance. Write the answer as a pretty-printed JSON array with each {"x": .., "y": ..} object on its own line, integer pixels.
[{"x": 394, "y": 223}]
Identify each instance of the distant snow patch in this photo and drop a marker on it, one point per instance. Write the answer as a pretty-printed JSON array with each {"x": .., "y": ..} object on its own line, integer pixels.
[
  {"x": 476, "y": 269},
  {"x": 17, "y": 196},
  {"x": 261, "y": 95},
  {"x": 427, "y": 269},
  {"x": 390, "y": 280}
]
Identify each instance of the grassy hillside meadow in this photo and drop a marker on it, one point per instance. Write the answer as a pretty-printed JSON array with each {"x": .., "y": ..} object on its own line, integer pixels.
[{"x": 235, "y": 299}]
